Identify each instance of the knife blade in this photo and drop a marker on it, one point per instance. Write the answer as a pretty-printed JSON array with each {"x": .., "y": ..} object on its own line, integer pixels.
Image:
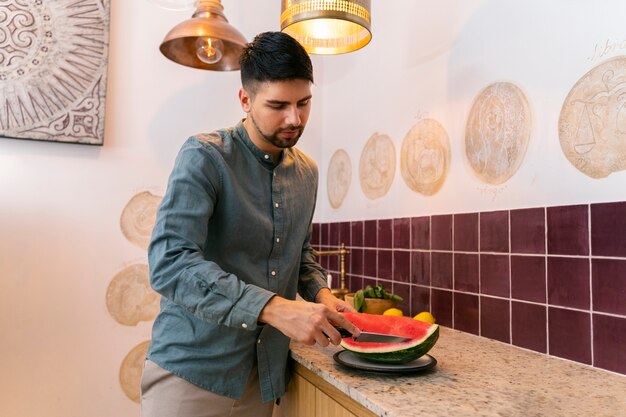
[{"x": 373, "y": 337}]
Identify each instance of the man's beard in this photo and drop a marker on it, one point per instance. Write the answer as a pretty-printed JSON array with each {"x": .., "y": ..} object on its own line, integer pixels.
[{"x": 274, "y": 139}]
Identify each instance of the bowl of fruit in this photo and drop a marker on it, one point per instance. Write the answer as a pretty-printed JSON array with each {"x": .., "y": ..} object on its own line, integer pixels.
[{"x": 372, "y": 300}]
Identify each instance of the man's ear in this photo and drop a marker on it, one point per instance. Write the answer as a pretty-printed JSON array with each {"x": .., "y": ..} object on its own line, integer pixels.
[{"x": 245, "y": 100}]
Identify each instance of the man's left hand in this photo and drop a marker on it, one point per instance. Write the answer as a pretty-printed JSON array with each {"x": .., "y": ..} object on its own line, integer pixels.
[{"x": 324, "y": 296}]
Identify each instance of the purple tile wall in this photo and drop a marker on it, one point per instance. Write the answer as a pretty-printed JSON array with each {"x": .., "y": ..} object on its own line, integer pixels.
[
  {"x": 538, "y": 278},
  {"x": 466, "y": 232}
]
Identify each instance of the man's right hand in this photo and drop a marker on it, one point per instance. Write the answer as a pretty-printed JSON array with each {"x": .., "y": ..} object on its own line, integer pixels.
[{"x": 306, "y": 322}]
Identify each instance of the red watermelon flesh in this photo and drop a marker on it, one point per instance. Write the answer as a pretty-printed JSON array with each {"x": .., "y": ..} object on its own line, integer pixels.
[{"x": 423, "y": 337}]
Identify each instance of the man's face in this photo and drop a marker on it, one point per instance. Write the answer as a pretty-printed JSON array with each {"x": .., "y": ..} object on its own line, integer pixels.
[{"x": 278, "y": 112}]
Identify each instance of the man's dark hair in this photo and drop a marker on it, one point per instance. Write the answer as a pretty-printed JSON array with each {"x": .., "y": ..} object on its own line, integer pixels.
[{"x": 274, "y": 56}]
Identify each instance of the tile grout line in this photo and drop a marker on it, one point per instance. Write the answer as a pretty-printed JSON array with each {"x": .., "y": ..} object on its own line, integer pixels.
[
  {"x": 480, "y": 289},
  {"x": 377, "y": 249},
  {"x": 410, "y": 272},
  {"x": 543, "y": 255},
  {"x": 590, "y": 286},
  {"x": 430, "y": 262},
  {"x": 510, "y": 298},
  {"x": 497, "y": 297},
  {"x": 547, "y": 315},
  {"x": 453, "y": 274},
  {"x": 527, "y": 254},
  {"x": 430, "y": 295}
]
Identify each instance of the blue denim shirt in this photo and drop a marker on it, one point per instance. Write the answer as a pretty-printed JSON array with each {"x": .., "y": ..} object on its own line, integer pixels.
[{"x": 231, "y": 232}]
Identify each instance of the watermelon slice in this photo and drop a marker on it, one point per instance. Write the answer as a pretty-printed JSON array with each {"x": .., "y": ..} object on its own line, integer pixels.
[{"x": 423, "y": 338}]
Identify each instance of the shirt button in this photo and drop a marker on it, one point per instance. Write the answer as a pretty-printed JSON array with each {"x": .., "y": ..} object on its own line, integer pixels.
[
  {"x": 277, "y": 239},
  {"x": 258, "y": 341},
  {"x": 244, "y": 325},
  {"x": 276, "y": 205},
  {"x": 266, "y": 157},
  {"x": 273, "y": 273}
]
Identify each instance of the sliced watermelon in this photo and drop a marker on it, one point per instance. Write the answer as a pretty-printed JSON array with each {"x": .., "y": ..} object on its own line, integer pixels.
[{"x": 423, "y": 337}]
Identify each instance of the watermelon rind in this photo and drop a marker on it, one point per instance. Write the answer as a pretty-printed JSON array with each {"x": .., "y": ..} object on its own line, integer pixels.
[
  {"x": 394, "y": 353},
  {"x": 402, "y": 355}
]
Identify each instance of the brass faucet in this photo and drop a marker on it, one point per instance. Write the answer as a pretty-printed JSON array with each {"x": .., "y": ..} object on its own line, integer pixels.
[{"x": 342, "y": 252}]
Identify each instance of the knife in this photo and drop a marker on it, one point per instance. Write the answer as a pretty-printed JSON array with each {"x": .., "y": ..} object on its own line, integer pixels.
[{"x": 373, "y": 337}]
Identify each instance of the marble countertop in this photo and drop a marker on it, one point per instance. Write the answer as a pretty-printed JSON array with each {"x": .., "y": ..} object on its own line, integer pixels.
[{"x": 476, "y": 376}]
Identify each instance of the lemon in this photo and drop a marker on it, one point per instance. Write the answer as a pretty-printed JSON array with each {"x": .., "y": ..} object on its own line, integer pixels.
[
  {"x": 393, "y": 312},
  {"x": 425, "y": 316}
]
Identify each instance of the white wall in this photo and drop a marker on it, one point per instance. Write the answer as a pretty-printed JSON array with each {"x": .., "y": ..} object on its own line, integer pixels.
[
  {"x": 431, "y": 59},
  {"x": 60, "y": 204}
]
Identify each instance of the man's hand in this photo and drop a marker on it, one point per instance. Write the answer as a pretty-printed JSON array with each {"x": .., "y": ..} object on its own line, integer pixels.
[
  {"x": 324, "y": 296},
  {"x": 305, "y": 322}
]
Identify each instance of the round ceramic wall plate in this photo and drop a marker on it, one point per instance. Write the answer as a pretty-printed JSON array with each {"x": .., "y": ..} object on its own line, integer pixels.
[
  {"x": 377, "y": 166},
  {"x": 138, "y": 218},
  {"x": 131, "y": 370},
  {"x": 349, "y": 359},
  {"x": 425, "y": 157},
  {"x": 339, "y": 177},
  {"x": 592, "y": 124},
  {"x": 130, "y": 299},
  {"x": 497, "y": 132}
]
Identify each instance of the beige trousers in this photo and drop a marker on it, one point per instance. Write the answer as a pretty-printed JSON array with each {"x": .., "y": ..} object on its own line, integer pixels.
[{"x": 164, "y": 394}]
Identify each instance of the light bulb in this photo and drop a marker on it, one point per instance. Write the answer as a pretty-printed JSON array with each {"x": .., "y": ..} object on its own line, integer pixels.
[{"x": 209, "y": 50}]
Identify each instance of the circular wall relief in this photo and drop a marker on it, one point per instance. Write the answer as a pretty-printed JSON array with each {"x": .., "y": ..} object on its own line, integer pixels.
[
  {"x": 592, "y": 124},
  {"x": 497, "y": 132},
  {"x": 377, "y": 166},
  {"x": 339, "y": 177},
  {"x": 425, "y": 157},
  {"x": 131, "y": 370},
  {"x": 138, "y": 218},
  {"x": 130, "y": 299},
  {"x": 53, "y": 60}
]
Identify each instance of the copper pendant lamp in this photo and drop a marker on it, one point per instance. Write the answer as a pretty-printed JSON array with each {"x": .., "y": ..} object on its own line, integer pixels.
[
  {"x": 327, "y": 27},
  {"x": 206, "y": 41}
]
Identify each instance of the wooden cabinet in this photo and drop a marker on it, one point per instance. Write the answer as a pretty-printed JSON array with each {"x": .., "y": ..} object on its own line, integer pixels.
[
  {"x": 308, "y": 395},
  {"x": 325, "y": 406},
  {"x": 299, "y": 400}
]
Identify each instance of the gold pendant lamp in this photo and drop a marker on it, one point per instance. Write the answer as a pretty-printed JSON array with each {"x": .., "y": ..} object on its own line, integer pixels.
[
  {"x": 327, "y": 27},
  {"x": 206, "y": 41}
]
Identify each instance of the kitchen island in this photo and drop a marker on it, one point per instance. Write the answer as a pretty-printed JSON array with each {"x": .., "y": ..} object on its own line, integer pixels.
[{"x": 474, "y": 376}]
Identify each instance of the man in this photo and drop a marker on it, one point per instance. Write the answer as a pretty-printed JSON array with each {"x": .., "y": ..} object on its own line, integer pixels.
[{"x": 231, "y": 247}]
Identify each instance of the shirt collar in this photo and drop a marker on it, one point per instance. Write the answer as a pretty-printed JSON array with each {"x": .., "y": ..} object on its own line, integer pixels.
[{"x": 263, "y": 157}]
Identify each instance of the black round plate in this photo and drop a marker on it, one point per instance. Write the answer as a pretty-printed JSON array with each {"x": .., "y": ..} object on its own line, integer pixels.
[{"x": 349, "y": 359}]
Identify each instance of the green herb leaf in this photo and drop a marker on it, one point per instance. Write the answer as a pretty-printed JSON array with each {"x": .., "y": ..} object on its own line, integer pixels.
[
  {"x": 377, "y": 291},
  {"x": 359, "y": 301}
]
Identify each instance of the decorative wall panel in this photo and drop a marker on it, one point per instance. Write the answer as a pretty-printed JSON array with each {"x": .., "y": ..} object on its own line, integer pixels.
[
  {"x": 592, "y": 126},
  {"x": 497, "y": 132},
  {"x": 339, "y": 177},
  {"x": 425, "y": 157},
  {"x": 377, "y": 166},
  {"x": 53, "y": 62}
]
